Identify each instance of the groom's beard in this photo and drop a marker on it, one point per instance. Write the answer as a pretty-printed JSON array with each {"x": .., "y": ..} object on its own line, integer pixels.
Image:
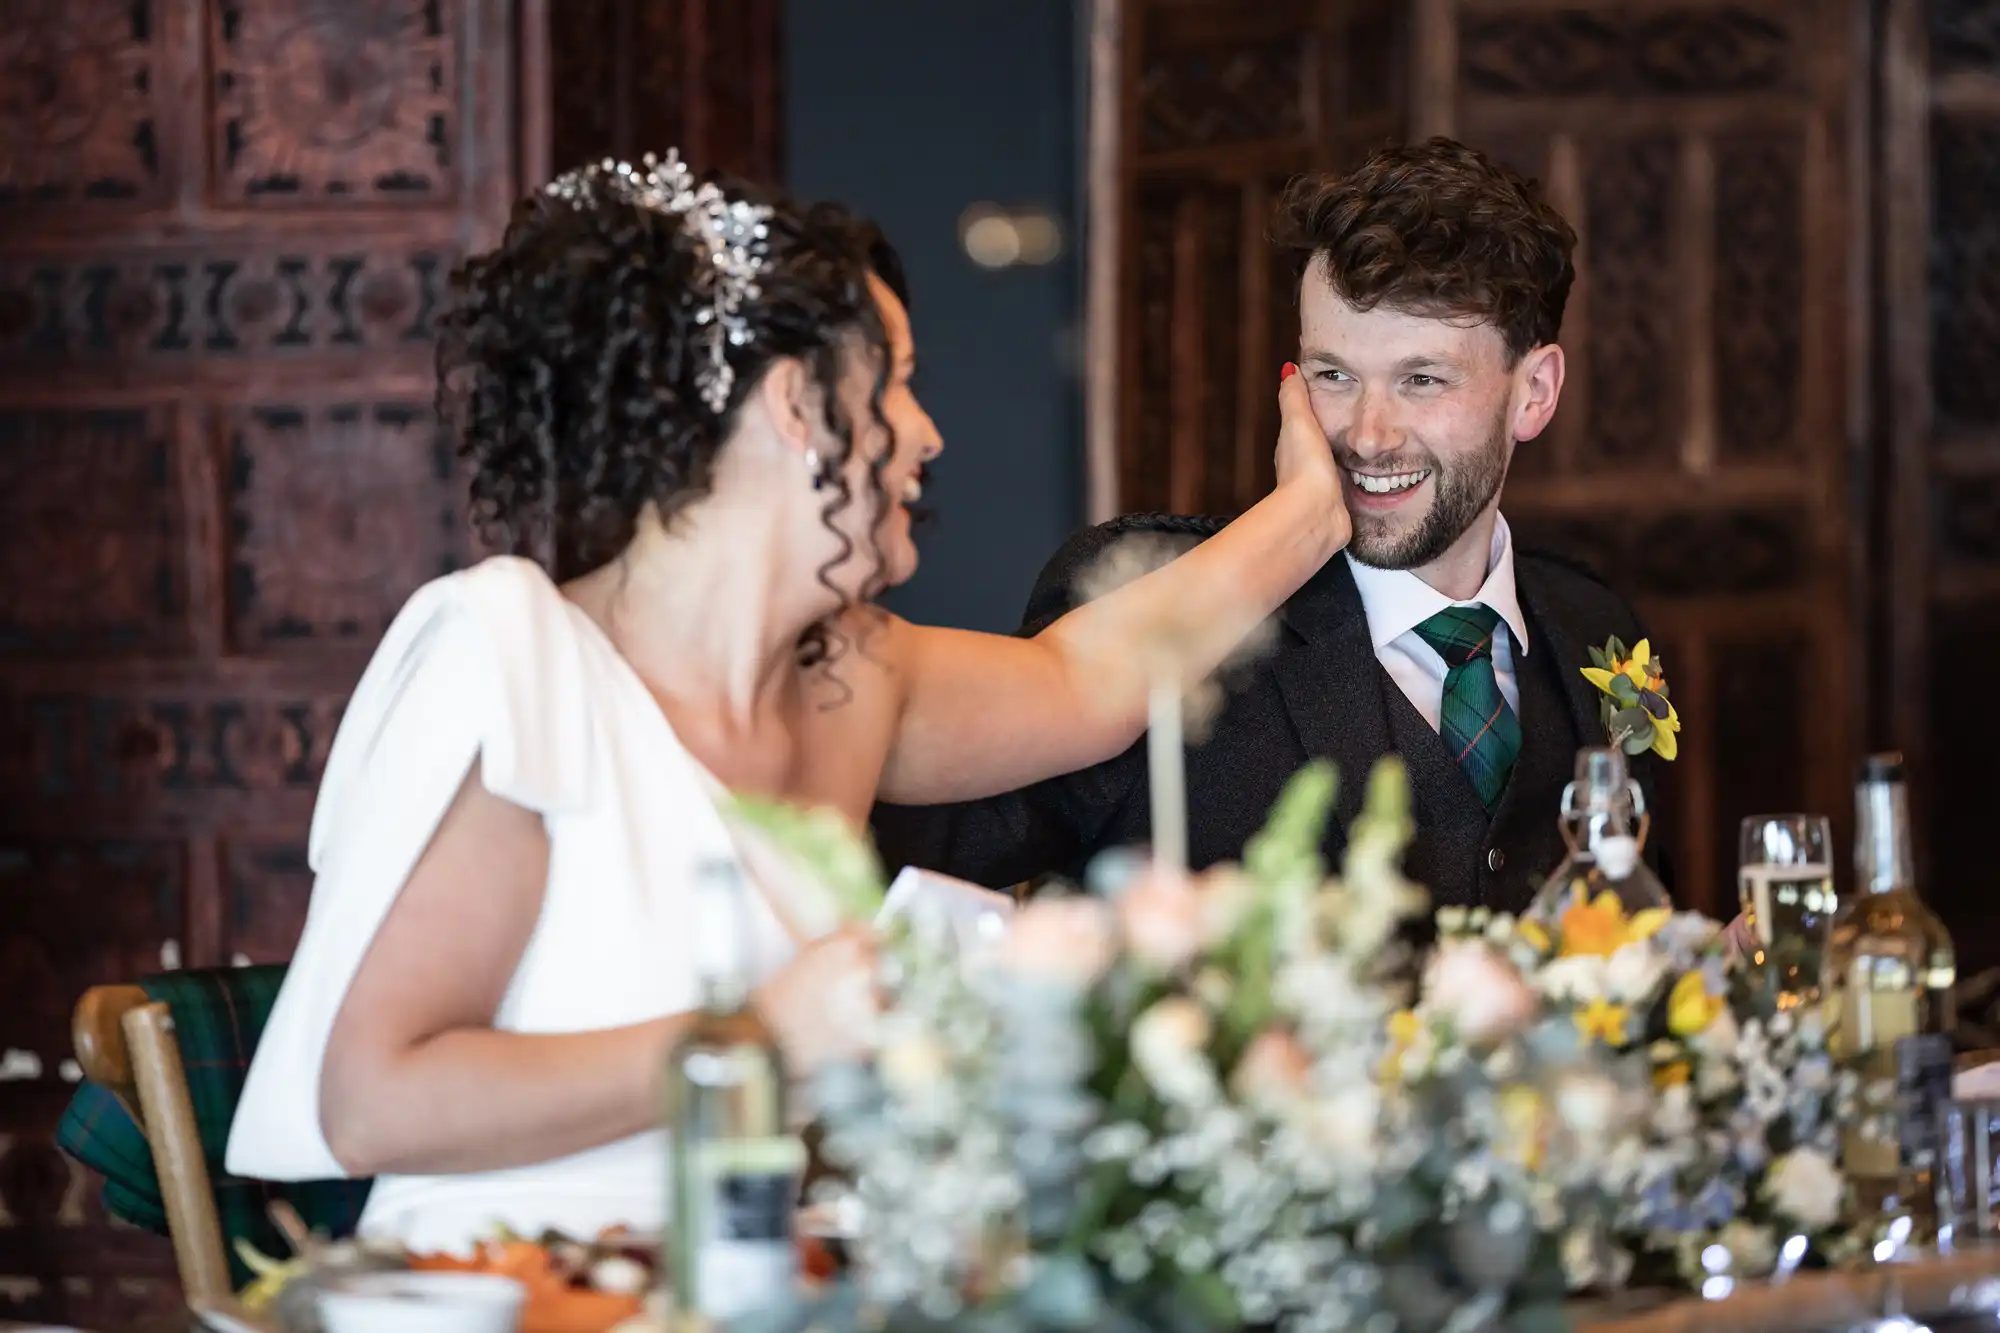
[{"x": 1459, "y": 494}]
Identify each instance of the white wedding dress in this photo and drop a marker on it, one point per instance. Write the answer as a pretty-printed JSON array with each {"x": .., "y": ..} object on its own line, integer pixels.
[{"x": 494, "y": 663}]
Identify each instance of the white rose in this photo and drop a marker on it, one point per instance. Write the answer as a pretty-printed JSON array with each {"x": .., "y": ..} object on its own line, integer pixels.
[
  {"x": 1346, "y": 1121},
  {"x": 1587, "y": 1104},
  {"x": 1169, "y": 1045},
  {"x": 1806, "y": 1187},
  {"x": 912, "y": 1065},
  {"x": 1719, "y": 1038},
  {"x": 1481, "y": 993},
  {"x": 1581, "y": 1268},
  {"x": 1750, "y": 1246},
  {"x": 1633, "y": 973},
  {"x": 1673, "y": 1115},
  {"x": 1578, "y": 979}
]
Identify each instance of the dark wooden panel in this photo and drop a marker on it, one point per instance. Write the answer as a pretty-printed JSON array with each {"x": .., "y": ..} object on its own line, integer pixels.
[
  {"x": 1964, "y": 296},
  {"x": 1759, "y": 288},
  {"x": 81, "y": 115},
  {"x": 1753, "y": 692},
  {"x": 75, "y": 913},
  {"x": 96, "y": 560},
  {"x": 1957, "y": 810},
  {"x": 1941, "y": 280},
  {"x": 336, "y": 511},
  {"x": 1739, "y": 550},
  {"x": 1630, "y": 206},
  {"x": 267, "y": 883},
  {"x": 628, "y": 77},
  {"x": 293, "y": 295},
  {"x": 1219, "y": 106},
  {"x": 1627, "y": 50},
  {"x": 355, "y": 104},
  {"x": 161, "y": 751},
  {"x": 1227, "y": 93}
]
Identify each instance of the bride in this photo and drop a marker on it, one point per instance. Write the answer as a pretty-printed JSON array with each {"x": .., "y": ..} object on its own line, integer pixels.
[{"x": 688, "y": 411}]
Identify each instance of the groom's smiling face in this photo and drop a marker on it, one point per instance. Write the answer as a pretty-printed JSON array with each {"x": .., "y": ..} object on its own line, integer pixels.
[{"x": 1422, "y": 413}]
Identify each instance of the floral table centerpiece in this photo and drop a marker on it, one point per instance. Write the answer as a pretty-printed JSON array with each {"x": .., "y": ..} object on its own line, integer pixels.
[{"x": 1239, "y": 1098}]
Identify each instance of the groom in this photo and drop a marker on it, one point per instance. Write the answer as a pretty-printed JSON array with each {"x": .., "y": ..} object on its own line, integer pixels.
[{"x": 1431, "y": 290}]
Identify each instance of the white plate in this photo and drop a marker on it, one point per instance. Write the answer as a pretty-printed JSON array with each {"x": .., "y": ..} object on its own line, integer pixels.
[{"x": 422, "y": 1303}]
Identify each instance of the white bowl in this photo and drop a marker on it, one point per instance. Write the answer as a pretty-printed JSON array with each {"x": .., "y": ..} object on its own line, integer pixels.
[{"x": 422, "y": 1303}]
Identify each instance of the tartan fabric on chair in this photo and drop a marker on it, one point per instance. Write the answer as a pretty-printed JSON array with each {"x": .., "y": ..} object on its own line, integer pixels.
[{"x": 219, "y": 1014}]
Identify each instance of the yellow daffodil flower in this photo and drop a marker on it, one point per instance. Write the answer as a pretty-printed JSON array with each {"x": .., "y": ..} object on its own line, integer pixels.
[
  {"x": 1690, "y": 1008},
  {"x": 1600, "y": 928},
  {"x": 1532, "y": 932},
  {"x": 1644, "y": 686},
  {"x": 1404, "y": 1026},
  {"x": 1602, "y": 1021},
  {"x": 1521, "y": 1111}
]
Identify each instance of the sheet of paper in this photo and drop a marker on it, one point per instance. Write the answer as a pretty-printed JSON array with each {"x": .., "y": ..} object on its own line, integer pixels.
[
  {"x": 971, "y": 915},
  {"x": 1980, "y": 1082}
]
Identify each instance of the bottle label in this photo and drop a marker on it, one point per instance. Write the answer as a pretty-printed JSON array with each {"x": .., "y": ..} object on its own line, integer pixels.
[
  {"x": 1869, "y": 1027},
  {"x": 1617, "y": 855},
  {"x": 1923, "y": 1086},
  {"x": 749, "y": 1192}
]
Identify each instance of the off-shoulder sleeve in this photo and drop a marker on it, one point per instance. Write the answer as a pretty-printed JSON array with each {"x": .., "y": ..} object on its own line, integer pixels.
[{"x": 483, "y": 664}]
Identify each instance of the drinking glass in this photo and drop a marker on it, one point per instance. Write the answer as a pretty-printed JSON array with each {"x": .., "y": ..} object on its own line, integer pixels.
[{"x": 1784, "y": 881}]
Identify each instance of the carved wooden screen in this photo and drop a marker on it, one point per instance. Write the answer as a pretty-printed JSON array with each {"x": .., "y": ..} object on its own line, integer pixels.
[
  {"x": 628, "y": 77},
  {"x": 1704, "y": 152},
  {"x": 1699, "y": 458},
  {"x": 1941, "y": 276},
  {"x": 225, "y": 230},
  {"x": 1201, "y": 111}
]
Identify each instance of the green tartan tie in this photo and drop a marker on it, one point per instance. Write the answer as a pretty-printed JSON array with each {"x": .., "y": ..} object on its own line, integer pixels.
[{"x": 1477, "y": 725}]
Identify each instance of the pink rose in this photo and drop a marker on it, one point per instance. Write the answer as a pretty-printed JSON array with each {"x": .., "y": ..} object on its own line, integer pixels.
[
  {"x": 1066, "y": 940},
  {"x": 1481, "y": 993},
  {"x": 1274, "y": 1069},
  {"x": 1162, "y": 917}
]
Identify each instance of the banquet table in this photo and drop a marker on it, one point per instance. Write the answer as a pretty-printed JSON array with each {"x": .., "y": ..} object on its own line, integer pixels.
[
  {"x": 1956, "y": 1293},
  {"x": 1950, "y": 1294}
]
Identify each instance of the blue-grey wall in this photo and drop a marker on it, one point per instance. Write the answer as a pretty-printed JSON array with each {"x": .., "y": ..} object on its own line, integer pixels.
[{"x": 910, "y": 110}]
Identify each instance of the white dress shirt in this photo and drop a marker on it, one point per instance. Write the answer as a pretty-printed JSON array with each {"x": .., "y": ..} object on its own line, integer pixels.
[{"x": 1397, "y": 601}]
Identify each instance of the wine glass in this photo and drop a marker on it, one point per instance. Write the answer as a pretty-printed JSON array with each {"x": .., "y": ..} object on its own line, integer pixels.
[{"x": 1784, "y": 881}]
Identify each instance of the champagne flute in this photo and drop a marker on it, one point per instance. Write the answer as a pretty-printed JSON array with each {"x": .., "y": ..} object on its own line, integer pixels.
[{"x": 1784, "y": 881}]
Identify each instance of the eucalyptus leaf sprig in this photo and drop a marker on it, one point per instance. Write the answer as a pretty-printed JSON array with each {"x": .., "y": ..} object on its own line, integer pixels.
[{"x": 823, "y": 844}]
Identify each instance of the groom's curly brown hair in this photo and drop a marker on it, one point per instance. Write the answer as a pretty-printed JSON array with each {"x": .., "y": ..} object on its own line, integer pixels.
[{"x": 1435, "y": 229}]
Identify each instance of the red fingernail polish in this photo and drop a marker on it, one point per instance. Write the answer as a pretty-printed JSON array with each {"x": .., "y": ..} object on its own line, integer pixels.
[{"x": 1289, "y": 371}]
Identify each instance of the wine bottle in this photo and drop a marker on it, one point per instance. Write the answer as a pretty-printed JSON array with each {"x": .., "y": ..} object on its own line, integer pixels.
[
  {"x": 736, "y": 1166},
  {"x": 1888, "y": 983}
]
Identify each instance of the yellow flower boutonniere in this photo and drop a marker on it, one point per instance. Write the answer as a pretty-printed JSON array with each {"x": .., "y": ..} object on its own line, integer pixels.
[{"x": 1637, "y": 713}]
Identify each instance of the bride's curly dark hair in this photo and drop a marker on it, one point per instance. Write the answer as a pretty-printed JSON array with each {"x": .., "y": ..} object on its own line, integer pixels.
[{"x": 568, "y": 355}]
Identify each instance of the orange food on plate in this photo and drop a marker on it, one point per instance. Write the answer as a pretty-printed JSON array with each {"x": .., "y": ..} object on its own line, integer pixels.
[
  {"x": 575, "y": 1310},
  {"x": 816, "y": 1260},
  {"x": 554, "y": 1305}
]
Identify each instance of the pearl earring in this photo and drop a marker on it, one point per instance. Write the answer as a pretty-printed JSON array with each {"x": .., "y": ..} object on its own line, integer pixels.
[{"x": 812, "y": 466}]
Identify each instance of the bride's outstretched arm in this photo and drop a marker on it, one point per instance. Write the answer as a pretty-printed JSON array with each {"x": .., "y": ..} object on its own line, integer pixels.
[
  {"x": 984, "y": 713},
  {"x": 417, "y": 1080}
]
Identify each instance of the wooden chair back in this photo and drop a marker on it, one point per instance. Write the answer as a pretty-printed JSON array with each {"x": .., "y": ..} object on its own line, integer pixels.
[{"x": 125, "y": 1043}]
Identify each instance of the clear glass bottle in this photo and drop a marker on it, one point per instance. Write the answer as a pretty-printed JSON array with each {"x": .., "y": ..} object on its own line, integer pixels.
[
  {"x": 1888, "y": 983},
  {"x": 736, "y": 1165},
  {"x": 1604, "y": 822}
]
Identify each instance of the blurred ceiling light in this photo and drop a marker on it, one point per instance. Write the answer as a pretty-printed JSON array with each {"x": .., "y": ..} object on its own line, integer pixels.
[{"x": 997, "y": 238}]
